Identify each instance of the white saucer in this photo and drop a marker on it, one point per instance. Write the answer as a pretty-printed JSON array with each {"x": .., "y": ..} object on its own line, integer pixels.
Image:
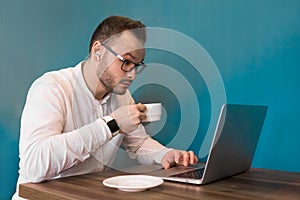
[{"x": 133, "y": 183}]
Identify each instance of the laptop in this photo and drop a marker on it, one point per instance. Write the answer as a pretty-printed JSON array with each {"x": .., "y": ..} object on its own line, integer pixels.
[{"x": 232, "y": 148}]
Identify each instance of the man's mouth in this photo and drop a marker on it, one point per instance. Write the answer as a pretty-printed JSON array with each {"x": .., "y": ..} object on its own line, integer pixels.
[{"x": 125, "y": 82}]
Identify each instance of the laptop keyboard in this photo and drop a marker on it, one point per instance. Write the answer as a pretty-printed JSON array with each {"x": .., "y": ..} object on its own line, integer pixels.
[{"x": 197, "y": 174}]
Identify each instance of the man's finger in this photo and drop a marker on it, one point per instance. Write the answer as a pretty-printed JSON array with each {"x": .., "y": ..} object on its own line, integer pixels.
[
  {"x": 168, "y": 161},
  {"x": 141, "y": 107},
  {"x": 166, "y": 165},
  {"x": 186, "y": 159},
  {"x": 177, "y": 157},
  {"x": 143, "y": 116},
  {"x": 193, "y": 158}
]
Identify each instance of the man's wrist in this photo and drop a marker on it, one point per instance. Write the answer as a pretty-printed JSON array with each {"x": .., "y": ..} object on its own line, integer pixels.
[{"x": 112, "y": 125}]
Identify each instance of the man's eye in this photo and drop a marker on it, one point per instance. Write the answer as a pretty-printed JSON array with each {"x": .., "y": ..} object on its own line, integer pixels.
[{"x": 127, "y": 62}]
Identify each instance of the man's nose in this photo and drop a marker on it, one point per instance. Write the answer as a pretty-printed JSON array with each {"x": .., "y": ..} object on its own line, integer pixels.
[{"x": 131, "y": 74}]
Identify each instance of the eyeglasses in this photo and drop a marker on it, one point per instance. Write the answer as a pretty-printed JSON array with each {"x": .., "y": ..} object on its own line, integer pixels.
[{"x": 127, "y": 65}]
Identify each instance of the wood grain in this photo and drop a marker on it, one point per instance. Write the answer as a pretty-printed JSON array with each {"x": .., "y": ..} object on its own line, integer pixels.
[{"x": 254, "y": 184}]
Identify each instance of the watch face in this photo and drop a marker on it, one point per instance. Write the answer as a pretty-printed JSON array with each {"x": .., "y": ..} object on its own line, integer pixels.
[{"x": 113, "y": 126}]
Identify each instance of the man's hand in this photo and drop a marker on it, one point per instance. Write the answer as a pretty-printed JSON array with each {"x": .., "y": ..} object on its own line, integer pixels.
[
  {"x": 129, "y": 117},
  {"x": 178, "y": 157}
]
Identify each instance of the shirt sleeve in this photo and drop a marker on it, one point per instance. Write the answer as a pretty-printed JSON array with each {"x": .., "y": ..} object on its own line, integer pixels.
[
  {"x": 45, "y": 151},
  {"x": 142, "y": 147}
]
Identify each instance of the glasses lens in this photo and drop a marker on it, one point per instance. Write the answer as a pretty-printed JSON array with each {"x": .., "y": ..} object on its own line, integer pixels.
[
  {"x": 128, "y": 66},
  {"x": 140, "y": 68}
]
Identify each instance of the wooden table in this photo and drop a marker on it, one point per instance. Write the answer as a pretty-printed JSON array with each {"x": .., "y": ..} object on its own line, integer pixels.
[{"x": 255, "y": 184}]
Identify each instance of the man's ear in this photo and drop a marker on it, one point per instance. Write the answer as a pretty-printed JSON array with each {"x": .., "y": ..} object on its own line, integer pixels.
[{"x": 97, "y": 49}]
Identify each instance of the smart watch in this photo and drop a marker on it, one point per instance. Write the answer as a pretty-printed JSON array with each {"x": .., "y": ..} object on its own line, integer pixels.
[{"x": 112, "y": 125}]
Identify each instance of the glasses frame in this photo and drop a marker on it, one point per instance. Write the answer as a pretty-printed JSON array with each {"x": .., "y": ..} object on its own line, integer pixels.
[{"x": 138, "y": 67}]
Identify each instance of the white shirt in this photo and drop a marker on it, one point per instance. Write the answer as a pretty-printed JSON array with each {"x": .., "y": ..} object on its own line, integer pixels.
[{"x": 62, "y": 132}]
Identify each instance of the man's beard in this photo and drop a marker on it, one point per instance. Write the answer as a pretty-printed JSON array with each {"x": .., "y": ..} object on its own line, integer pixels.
[{"x": 107, "y": 80}]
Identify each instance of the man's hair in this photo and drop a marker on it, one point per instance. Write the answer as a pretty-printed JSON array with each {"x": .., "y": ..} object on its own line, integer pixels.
[{"x": 116, "y": 24}]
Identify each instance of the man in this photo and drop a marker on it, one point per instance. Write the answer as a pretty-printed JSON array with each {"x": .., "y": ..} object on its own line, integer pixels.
[{"x": 75, "y": 119}]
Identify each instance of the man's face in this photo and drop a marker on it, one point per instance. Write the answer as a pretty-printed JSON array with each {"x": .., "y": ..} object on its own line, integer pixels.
[{"x": 113, "y": 78}]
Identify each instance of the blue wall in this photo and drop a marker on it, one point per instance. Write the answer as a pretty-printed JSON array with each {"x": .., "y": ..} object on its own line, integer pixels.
[{"x": 255, "y": 45}]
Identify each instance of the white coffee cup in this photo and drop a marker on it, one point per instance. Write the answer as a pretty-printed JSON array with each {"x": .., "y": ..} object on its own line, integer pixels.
[{"x": 153, "y": 112}]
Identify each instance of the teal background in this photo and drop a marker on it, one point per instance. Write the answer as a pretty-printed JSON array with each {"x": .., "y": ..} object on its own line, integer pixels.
[{"x": 255, "y": 45}]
